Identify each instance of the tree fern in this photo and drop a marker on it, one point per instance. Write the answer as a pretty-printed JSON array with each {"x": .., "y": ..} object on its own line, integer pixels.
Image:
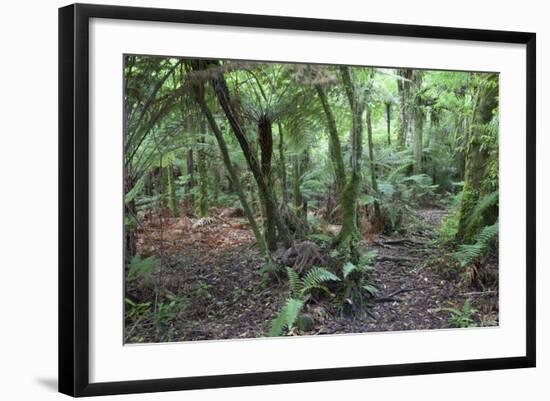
[{"x": 468, "y": 252}]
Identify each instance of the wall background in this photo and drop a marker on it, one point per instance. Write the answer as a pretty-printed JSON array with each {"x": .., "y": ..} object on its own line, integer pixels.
[{"x": 28, "y": 199}]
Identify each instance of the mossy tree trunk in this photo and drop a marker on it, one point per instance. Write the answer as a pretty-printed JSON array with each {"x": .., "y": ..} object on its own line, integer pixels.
[
  {"x": 418, "y": 123},
  {"x": 130, "y": 219},
  {"x": 374, "y": 182},
  {"x": 403, "y": 89},
  {"x": 172, "y": 200},
  {"x": 477, "y": 158},
  {"x": 349, "y": 234},
  {"x": 235, "y": 180},
  {"x": 266, "y": 195},
  {"x": 296, "y": 178},
  {"x": 203, "y": 176},
  {"x": 190, "y": 201},
  {"x": 265, "y": 141},
  {"x": 388, "y": 121},
  {"x": 335, "y": 147},
  {"x": 282, "y": 165}
]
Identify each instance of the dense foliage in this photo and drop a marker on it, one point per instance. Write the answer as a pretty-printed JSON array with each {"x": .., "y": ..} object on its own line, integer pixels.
[{"x": 314, "y": 160}]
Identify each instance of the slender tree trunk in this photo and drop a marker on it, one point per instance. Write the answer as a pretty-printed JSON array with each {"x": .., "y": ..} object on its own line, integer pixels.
[
  {"x": 130, "y": 214},
  {"x": 265, "y": 139},
  {"x": 203, "y": 178},
  {"x": 371, "y": 150},
  {"x": 334, "y": 141},
  {"x": 172, "y": 201},
  {"x": 377, "y": 214},
  {"x": 403, "y": 88},
  {"x": 282, "y": 163},
  {"x": 418, "y": 124},
  {"x": 216, "y": 184},
  {"x": 296, "y": 182},
  {"x": 191, "y": 180},
  {"x": 349, "y": 234},
  {"x": 222, "y": 93},
  {"x": 388, "y": 122},
  {"x": 235, "y": 181},
  {"x": 418, "y": 128}
]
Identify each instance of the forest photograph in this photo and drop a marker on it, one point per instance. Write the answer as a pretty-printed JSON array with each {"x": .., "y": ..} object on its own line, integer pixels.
[{"x": 268, "y": 199}]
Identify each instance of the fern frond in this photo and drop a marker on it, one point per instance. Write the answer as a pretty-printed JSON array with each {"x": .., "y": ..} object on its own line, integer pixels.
[
  {"x": 286, "y": 317},
  {"x": 483, "y": 204},
  {"x": 314, "y": 278},
  {"x": 468, "y": 252},
  {"x": 294, "y": 283},
  {"x": 347, "y": 269}
]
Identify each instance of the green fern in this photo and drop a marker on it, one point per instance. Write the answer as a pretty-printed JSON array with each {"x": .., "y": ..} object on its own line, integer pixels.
[
  {"x": 315, "y": 279},
  {"x": 294, "y": 283},
  {"x": 141, "y": 268},
  {"x": 468, "y": 252},
  {"x": 286, "y": 317},
  {"x": 299, "y": 292},
  {"x": 483, "y": 204}
]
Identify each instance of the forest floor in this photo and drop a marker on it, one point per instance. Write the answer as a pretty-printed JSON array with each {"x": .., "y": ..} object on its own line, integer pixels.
[{"x": 214, "y": 263}]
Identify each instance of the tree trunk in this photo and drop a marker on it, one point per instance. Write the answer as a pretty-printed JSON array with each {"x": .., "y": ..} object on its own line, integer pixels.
[
  {"x": 130, "y": 214},
  {"x": 349, "y": 234},
  {"x": 172, "y": 200},
  {"x": 388, "y": 121},
  {"x": 403, "y": 88},
  {"x": 222, "y": 93},
  {"x": 296, "y": 174},
  {"x": 335, "y": 148},
  {"x": 203, "y": 178},
  {"x": 418, "y": 124},
  {"x": 191, "y": 180},
  {"x": 282, "y": 163},
  {"x": 377, "y": 214},
  {"x": 235, "y": 181},
  {"x": 265, "y": 140},
  {"x": 477, "y": 156}
]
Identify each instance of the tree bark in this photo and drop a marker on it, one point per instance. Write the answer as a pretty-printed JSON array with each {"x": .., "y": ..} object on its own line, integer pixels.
[
  {"x": 477, "y": 156},
  {"x": 388, "y": 121},
  {"x": 282, "y": 163},
  {"x": 172, "y": 201},
  {"x": 403, "y": 88},
  {"x": 418, "y": 124},
  {"x": 235, "y": 181},
  {"x": 335, "y": 148},
  {"x": 222, "y": 93},
  {"x": 377, "y": 214},
  {"x": 265, "y": 140},
  {"x": 203, "y": 177},
  {"x": 349, "y": 234},
  {"x": 191, "y": 179}
]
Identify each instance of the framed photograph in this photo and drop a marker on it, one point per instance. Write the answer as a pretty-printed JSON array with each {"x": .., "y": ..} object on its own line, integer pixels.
[{"x": 251, "y": 199}]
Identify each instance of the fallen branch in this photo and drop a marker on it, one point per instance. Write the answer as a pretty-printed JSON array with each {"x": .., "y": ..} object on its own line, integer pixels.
[
  {"x": 396, "y": 259},
  {"x": 477, "y": 293},
  {"x": 398, "y": 241},
  {"x": 391, "y": 297}
]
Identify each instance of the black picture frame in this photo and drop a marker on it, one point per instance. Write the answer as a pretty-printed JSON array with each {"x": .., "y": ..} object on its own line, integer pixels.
[{"x": 74, "y": 198}]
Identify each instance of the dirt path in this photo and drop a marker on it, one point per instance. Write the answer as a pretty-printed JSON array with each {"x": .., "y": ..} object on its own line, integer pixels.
[
  {"x": 219, "y": 272},
  {"x": 410, "y": 293}
]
